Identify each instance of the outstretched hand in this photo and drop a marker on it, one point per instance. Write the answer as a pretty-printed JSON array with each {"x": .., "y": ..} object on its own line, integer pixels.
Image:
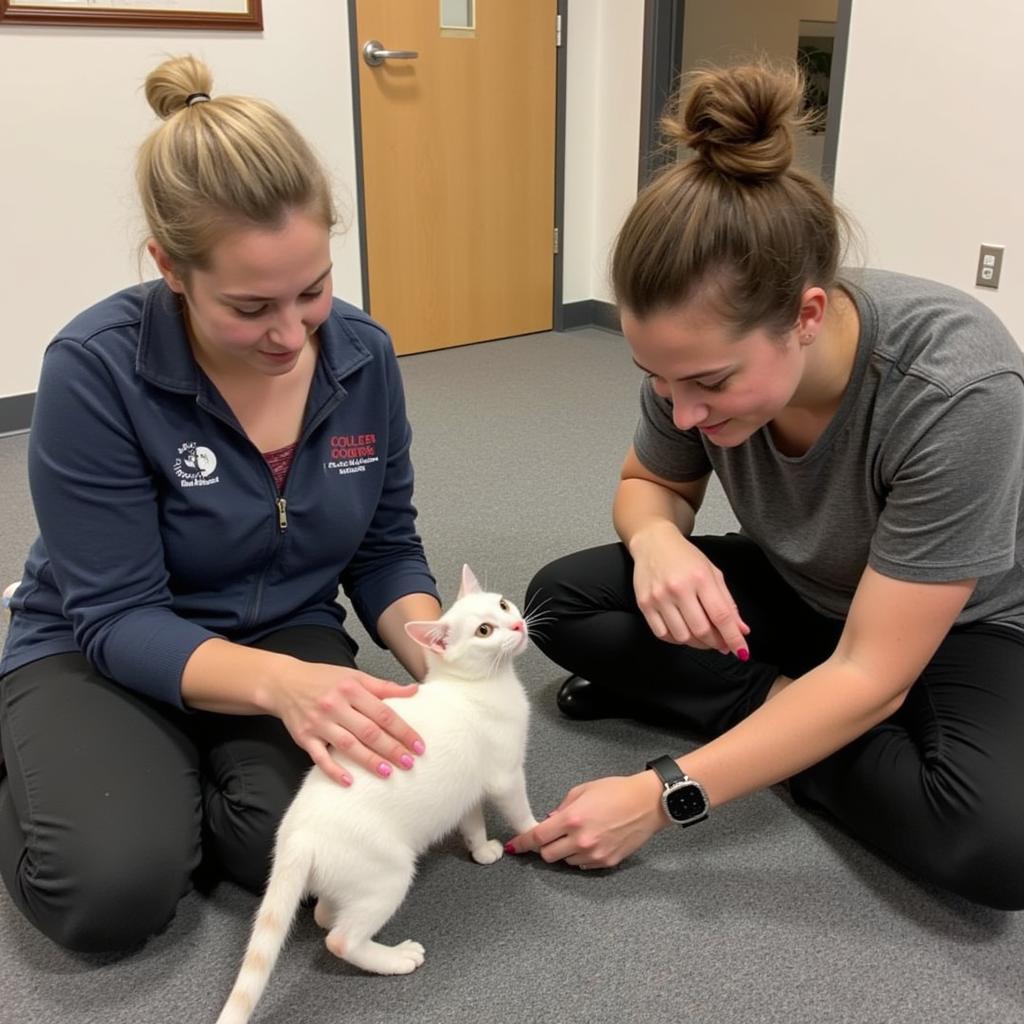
[
  {"x": 683, "y": 594},
  {"x": 324, "y": 706},
  {"x": 599, "y": 823}
]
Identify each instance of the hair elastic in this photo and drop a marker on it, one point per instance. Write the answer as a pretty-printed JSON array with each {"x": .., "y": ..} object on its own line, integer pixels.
[{"x": 196, "y": 97}]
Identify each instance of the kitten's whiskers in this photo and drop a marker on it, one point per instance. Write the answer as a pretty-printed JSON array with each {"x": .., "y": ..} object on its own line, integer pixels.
[
  {"x": 536, "y": 619},
  {"x": 538, "y": 603}
]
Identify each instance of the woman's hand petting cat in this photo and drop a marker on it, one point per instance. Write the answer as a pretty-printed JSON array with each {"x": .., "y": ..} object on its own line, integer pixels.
[
  {"x": 324, "y": 706},
  {"x": 599, "y": 823}
]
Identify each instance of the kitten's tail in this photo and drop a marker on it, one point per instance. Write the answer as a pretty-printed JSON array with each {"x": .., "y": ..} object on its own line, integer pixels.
[{"x": 287, "y": 884}]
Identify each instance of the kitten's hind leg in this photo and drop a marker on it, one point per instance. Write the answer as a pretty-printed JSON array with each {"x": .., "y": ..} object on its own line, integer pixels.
[
  {"x": 351, "y": 937},
  {"x": 325, "y": 913},
  {"x": 474, "y": 832}
]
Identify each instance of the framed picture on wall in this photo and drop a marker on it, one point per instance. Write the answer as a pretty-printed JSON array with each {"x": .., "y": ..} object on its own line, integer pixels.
[{"x": 210, "y": 14}]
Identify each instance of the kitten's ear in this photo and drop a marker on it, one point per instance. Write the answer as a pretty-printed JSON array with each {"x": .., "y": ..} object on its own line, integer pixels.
[
  {"x": 470, "y": 584},
  {"x": 432, "y": 635}
]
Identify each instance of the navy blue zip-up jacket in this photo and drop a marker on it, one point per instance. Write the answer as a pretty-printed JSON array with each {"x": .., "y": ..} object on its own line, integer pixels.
[{"x": 160, "y": 522}]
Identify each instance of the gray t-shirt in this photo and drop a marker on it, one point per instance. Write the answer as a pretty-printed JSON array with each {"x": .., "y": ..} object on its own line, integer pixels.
[{"x": 919, "y": 473}]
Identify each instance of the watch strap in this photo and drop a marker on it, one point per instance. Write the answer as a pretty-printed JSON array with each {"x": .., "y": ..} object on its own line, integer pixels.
[{"x": 667, "y": 770}]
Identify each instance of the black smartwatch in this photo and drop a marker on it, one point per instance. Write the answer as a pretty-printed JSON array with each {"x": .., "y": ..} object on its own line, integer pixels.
[{"x": 683, "y": 798}]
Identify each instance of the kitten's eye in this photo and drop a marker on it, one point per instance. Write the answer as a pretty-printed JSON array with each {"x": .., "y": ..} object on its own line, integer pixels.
[
  {"x": 503, "y": 605},
  {"x": 484, "y": 629}
]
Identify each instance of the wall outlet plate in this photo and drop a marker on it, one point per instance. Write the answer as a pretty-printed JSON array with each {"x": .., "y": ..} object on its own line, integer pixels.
[{"x": 990, "y": 266}]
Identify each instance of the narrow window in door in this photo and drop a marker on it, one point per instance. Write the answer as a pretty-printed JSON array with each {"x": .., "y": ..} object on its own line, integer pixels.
[{"x": 458, "y": 14}]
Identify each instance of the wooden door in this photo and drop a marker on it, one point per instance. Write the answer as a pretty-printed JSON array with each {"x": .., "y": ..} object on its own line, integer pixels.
[{"x": 458, "y": 155}]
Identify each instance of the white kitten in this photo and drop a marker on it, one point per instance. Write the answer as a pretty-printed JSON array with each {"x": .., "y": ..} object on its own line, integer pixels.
[{"x": 356, "y": 849}]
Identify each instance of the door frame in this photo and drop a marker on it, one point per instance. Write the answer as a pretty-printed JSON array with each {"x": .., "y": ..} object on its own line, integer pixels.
[
  {"x": 355, "y": 55},
  {"x": 662, "y": 63}
]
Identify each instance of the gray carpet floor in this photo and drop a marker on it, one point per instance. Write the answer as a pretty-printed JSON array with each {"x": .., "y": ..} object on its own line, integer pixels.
[{"x": 763, "y": 914}]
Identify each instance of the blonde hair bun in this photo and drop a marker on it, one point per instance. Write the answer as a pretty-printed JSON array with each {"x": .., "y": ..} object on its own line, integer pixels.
[
  {"x": 169, "y": 86},
  {"x": 237, "y": 161},
  {"x": 739, "y": 120}
]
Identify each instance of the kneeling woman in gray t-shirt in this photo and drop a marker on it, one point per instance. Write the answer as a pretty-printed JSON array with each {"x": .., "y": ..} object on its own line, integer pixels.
[{"x": 868, "y": 430}]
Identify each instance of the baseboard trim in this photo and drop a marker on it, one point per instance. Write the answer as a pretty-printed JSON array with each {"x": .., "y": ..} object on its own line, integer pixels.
[
  {"x": 16, "y": 413},
  {"x": 590, "y": 313}
]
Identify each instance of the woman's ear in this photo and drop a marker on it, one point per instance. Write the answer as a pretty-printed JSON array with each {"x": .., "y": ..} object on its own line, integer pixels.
[
  {"x": 164, "y": 265},
  {"x": 813, "y": 304}
]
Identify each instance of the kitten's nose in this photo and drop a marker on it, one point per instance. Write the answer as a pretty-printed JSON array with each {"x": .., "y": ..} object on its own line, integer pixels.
[{"x": 519, "y": 626}]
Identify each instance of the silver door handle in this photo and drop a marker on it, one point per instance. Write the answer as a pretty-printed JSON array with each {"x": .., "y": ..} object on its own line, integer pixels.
[{"x": 374, "y": 53}]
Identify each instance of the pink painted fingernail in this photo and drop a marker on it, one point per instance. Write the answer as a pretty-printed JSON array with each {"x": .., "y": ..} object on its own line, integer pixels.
[
  {"x": 346, "y": 780},
  {"x": 384, "y": 769},
  {"x": 743, "y": 654},
  {"x": 407, "y": 761},
  {"x": 509, "y": 848},
  {"x": 418, "y": 747}
]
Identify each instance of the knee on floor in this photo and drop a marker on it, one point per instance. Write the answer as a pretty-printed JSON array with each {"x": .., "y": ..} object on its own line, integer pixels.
[
  {"x": 984, "y": 867},
  {"x": 103, "y": 901},
  {"x": 242, "y": 842}
]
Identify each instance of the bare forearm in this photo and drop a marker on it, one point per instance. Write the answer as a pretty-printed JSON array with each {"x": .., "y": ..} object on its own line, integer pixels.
[
  {"x": 641, "y": 504},
  {"x": 891, "y": 633},
  {"x": 804, "y": 722},
  {"x": 237, "y": 680},
  {"x": 391, "y": 627},
  {"x": 232, "y": 679}
]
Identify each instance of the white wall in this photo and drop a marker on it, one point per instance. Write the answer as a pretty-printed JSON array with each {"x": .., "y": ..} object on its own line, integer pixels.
[
  {"x": 72, "y": 117},
  {"x": 615, "y": 160},
  {"x": 931, "y": 149},
  {"x": 930, "y": 155},
  {"x": 581, "y": 113},
  {"x": 69, "y": 221}
]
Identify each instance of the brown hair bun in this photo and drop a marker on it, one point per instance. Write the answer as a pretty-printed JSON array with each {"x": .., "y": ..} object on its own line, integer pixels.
[
  {"x": 739, "y": 120},
  {"x": 736, "y": 219}
]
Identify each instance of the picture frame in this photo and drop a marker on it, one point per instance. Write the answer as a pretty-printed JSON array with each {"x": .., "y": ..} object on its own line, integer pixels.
[{"x": 240, "y": 15}]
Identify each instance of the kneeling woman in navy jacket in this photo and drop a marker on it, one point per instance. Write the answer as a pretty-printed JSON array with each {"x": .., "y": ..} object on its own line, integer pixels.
[{"x": 212, "y": 455}]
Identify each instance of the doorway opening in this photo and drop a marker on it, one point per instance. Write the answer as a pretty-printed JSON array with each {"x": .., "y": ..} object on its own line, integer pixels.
[{"x": 678, "y": 35}]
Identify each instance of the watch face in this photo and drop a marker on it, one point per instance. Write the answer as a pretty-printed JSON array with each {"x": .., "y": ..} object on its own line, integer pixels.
[{"x": 685, "y": 801}]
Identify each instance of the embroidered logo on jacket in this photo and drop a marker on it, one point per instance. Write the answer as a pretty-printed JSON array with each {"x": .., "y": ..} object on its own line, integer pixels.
[
  {"x": 352, "y": 453},
  {"x": 195, "y": 465}
]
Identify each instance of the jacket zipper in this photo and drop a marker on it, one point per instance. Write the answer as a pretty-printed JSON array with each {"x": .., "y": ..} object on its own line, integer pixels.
[{"x": 280, "y": 502}]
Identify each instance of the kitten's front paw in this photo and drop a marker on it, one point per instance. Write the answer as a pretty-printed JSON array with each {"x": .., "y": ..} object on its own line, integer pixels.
[
  {"x": 488, "y": 852},
  {"x": 406, "y": 957}
]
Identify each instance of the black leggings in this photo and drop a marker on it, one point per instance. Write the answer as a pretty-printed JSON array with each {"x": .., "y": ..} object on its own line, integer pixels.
[
  {"x": 939, "y": 786},
  {"x": 111, "y": 801}
]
